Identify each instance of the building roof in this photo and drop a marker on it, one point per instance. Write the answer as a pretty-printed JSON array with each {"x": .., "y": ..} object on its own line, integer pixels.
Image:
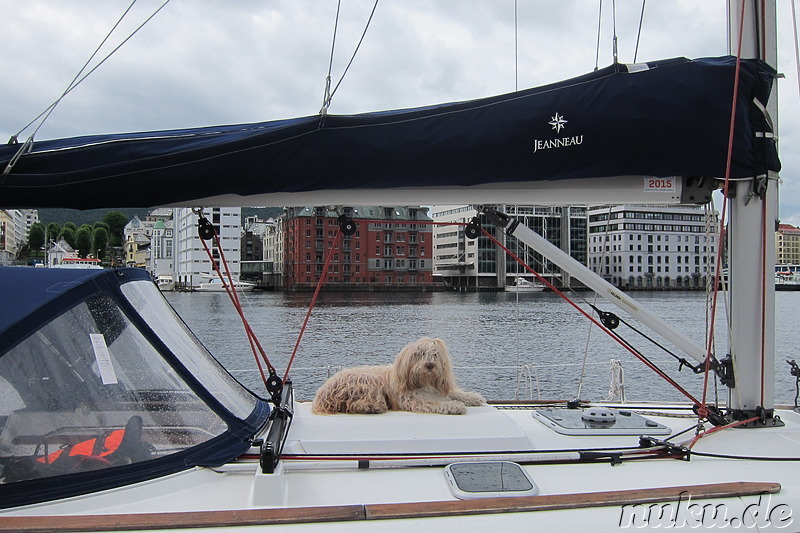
[
  {"x": 369, "y": 212},
  {"x": 786, "y": 228}
]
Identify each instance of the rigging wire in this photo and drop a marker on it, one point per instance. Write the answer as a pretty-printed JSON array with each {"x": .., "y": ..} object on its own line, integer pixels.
[
  {"x": 639, "y": 33},
  {"x": 516, "y": 48},
  {"x": 796, "y": 45},
  {"x": 326, "y": 98},
  {"x": 614, "y": 25},
  {"x": 78, "y": 79},
  {"x": 582, "y": 311},
  {"x": 603, "y": 256},
  {"x": 703, "y": 411},
  {"x": 599, "y": 25},
  {"x": 329, "y": 96},
  {"x": 44, "y": 115}
]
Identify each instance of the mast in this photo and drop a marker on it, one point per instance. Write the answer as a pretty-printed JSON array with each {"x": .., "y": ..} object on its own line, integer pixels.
[{"x": 751, "y": 226}]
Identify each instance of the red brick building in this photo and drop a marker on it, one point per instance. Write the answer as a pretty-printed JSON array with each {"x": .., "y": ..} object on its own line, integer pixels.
[{"x": 391, "y": 247}]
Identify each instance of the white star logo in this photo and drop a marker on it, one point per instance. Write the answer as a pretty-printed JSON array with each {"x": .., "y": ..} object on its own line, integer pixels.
[{"x": 557, "y": 122}]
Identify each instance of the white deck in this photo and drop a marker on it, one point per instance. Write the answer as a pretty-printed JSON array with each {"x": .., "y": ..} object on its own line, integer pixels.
[{"x": 314, "y": 483}]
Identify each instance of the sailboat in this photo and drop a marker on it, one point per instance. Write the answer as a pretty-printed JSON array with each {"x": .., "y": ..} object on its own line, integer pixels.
[{"x": 113, "y": 416}]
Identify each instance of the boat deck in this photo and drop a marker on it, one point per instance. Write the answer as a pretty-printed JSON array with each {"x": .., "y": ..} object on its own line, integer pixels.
[{"x": 359, "y": 466}]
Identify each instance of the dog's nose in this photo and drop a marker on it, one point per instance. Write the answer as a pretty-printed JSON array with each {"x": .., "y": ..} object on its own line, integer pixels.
[{"x": 429, "y": 366}]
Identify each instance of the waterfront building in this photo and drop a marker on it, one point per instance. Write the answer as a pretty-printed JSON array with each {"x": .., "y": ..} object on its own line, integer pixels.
[
  {"x": 192, "y": 264},
  {"x": 273, "y": 252},
  {"x": 651, "y": 247},
  {"x": 149, "y": 243},
  {"x": 137, "y": 250},
  {"x": 162, "y": 246},
  {"x": 13, "y": 233},
  {"x": 258, "y": 252},
  {"x": 478, "y": 264},
  {"x": 58, "y": 251},
  {"x": 787, "y": 245},
  {"x": 391, "y": 247}
]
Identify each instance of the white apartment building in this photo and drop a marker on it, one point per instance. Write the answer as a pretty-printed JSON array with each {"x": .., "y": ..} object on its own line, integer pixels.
[
  {"x": 192, "y": 264},
  {"x": 14, "y": 229},
  {"x": 162, "y": 244},
  {"x": 468, "y": 263},
  {"x": 455, "y": 257},
  {"x": 651, "y": 247}
]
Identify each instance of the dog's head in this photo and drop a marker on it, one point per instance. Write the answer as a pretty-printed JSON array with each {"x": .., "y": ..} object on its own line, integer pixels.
[{"x": 424, "y": 363}]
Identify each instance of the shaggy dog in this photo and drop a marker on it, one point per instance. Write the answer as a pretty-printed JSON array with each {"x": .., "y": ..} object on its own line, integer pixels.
[{"x": 420, "y": 380}]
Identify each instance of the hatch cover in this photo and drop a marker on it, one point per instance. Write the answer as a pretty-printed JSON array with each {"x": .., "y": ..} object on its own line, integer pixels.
[{"x": 589, "y": 422}]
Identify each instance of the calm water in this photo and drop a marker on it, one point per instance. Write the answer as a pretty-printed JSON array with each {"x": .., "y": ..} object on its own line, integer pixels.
[{"x": 503, "y": 345}]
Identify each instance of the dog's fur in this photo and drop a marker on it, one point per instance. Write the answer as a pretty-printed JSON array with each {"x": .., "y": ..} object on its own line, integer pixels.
[{"x": 420, "y": 380}]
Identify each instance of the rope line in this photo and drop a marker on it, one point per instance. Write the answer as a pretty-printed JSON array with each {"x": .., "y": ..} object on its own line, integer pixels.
[
  {"x": 592, "y": 319},
  {"x": 230, "y": 289},
  {"x": 322, "y": 277},
  {"x": 703, "y": 411}
]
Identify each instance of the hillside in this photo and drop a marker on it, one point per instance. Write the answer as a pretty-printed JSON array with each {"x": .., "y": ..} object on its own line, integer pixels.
[{"x": 90, "y": 216}]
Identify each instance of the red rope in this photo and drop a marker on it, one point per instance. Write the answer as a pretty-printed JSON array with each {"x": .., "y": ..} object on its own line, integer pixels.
[
  {"x": 592, "y": 319},
  {"x": 719, "y": 428},
  {"x": 255, "y": 345},
  {"x": 313, "y": 302},
  {"x": 702, "y": 412},
  {"x": 763, "y": 294}
]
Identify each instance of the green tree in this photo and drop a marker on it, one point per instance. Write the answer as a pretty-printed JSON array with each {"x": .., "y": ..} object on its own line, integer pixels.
[
  {"x": 70, "y": 225},
  {"x": 53, "y": 229},
  {"x": 100, "y": 241},
  {"x": 116, "y": 222},
  {"x": 101, "y": 224},
  {"x": 36, "y": 236},
  {"x": 83, "y": 240},
  {"x": 68, "y": 234}
]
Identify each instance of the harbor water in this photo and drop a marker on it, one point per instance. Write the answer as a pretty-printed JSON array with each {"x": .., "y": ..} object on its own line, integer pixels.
[{"x": 505, "y": 346}]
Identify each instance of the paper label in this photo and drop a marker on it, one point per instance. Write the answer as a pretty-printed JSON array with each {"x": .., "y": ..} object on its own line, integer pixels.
[{"x": 103, "y": 358}]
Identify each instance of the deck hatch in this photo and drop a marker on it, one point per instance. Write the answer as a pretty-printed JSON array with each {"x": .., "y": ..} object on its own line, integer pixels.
[{"x": 576, "y": 422}]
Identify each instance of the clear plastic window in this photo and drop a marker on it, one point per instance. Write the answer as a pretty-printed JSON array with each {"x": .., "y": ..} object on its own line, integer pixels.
[
  {"x": 87, "y": 391},
  {"x": 152, "y": 306}
]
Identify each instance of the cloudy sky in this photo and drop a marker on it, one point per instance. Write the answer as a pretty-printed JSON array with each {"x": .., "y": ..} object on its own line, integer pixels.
[{"x": 205, "y": 62}]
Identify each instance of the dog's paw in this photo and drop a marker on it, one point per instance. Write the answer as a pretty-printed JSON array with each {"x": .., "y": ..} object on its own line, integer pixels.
[
  {"x": 472, "y": 399},
  {"x": 454, "y": 408}
]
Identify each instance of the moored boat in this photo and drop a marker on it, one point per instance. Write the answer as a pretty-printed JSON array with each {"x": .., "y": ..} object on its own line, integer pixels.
[
  {"x": 78, "y": 262},
  {"x": 524, "y": 285},
  {"x": 165, "y": 282},
  {"x": 215, "y": 285}
]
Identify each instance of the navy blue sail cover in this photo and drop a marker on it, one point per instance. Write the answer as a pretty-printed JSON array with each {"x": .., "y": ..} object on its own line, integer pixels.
[{"x": 668, "y": 119}]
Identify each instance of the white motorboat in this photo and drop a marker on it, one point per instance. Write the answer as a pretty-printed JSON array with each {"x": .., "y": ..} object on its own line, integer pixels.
[
  {"x": 524, "y": 285},
  {"x": 113, "y": 416},
  {"x": 216, "y": 285},
  {"x": 165, "y": 282},
  {"x": 78, "y": 262}
]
